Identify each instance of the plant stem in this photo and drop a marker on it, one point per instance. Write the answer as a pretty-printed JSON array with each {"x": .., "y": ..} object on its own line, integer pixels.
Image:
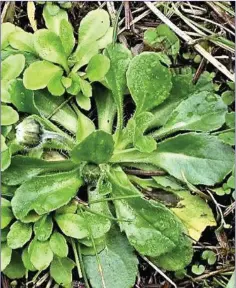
[
  {"x": 76, "y": 258},
  {"x": 82, "y": 268},
  {"x": 114, "y": 198}
]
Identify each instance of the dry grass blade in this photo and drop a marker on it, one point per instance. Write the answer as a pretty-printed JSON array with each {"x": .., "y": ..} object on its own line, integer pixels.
[
  {"x": 8, "y": 12},
  {"x": 189, "y": 40}
]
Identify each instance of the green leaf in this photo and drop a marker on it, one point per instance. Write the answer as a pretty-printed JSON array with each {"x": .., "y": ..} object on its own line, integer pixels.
[
  {"x": 34, "y": 80},
  {"x": 22, "y": 98},
  {"x": 19, "y": 235},
  {"x": 6, "y": 216},
  {"x": 203, "y": 111},
  {"x": 16, "y": 269},
  {"x": 43, "y": 228},
  {"x": 194, "y": 212},
  {"x": 168, "y": 182},
  {"x": 105, "y": 40},
  {"x": 6, "y": 159},
  {"x": 97, "y": 68},
  {"x": 231, "y": 282},
  {"x": 227, "y": 137},
  {"x": 106, "y": 108},
  {"x": 8, "y": 115},
  {"x": 85, "y": 127},
  {"x": 49, "y": 47},
  {"x": 12, "y": 66},
  {"x": 96, "y": 148},
  {"x": 182, "y": 88},
  {"x": 93, "y": 26},
  {"x": 4, "y": 233},
  {"x": 53, "y": 17},
  {"x": 45, "y": 193},
  {"x": 3, "y": 143},
  {"x": 141, "y": 142},
  {"x": 61, "y": 270},
  {"x": 83, "y": 101},
  {"x": 5, "y": 255},
  {"x": 24, "y": 168},
  {"x": 230, "y": 182},
  {"x": 228, "y": 97},
  {"x": 74, "y": 88},
  {"x": 84, "y": 53},
  {"x": 40, "y": 254},
  {"x": 119, "y": 57},
  {"x": 6, "y": 98},
  {"x": 151, "y": 237},
  {"x": 198, "y": 269},
  {"x": 230, "y": 119},
  {"x": 67, "y": 36},
  {"x": 86, "y": 87},
  {"x": 6, "y": 29},
  {"x": 65, "y": 116},
  {"x": 55, "y": 86},
  {"x": 144, "y": 75},
  {"x": 26, "y": 260},
  {"x": 80, "y": 226},
  {"x": 58, "y": 245},
  {"x": 162, "y": 38},
  {"x": 178, "y": 156},
  {"x": 118, "y": 263},
  {"x": 72, "y": 225},
  {"x": 210, "y": 256},
  {"x": 22, "y": 41}
]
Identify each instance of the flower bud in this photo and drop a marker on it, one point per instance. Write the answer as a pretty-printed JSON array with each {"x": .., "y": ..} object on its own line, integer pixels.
[{"x": 29, "y": 132}]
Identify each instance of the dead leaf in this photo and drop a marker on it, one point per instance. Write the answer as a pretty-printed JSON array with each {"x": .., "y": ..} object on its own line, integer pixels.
[{"x": 31, "y": 15}]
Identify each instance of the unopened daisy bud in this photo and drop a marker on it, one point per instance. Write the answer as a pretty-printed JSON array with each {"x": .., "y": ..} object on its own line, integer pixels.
[{"x": 29, "y": 132}]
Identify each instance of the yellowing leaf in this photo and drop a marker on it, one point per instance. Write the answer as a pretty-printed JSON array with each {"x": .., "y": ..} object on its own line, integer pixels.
[{"x": 195, "y": 213}]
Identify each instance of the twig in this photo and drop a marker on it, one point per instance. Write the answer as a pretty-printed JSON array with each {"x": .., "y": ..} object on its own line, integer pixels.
[
  {"x": 207, "y": 275},
  {"x": 59, "y": 107},
  {"x": 76, "y": 258},
  {"x": 189, "y": 40},
  {"x": 143, "y": 172},
  {"x": 127, "y": 15},
  {"x": 159, "y": 271},
  {"x": 199, "y": 70}
]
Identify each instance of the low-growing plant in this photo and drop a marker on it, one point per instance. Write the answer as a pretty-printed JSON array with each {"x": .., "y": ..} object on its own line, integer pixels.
[{"x": 94, "y": 201}]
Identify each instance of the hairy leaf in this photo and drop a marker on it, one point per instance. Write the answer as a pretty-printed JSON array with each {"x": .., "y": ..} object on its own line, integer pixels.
[
  {"x": 85, "y": 127},
  {"x": 34, "y": 80},
  {"x": 49, "y": 47},
  {"x": 54, "y": 18},
  {"x": 96, "y": 148},
  {"x": 208, "y": 164},
  {"x": 119, "y": 57},
  {"x": 12, "y": 66},
  {"x": 93, "y": 26},
  {"x": 58, "y": 245},
  {"x": 43, "y": 228},
  {"x": 148, "y": 80},
  {"x": 154, "y": 230},
  {"x": 55, "y": 86},
  {"x": 24, "y": 168},
  {"x": 118, "y": 263},
  {"x": 6, "y": 253},
  {"x": 40, "y": 254},
  {"x": 97, "y": 67},
  {"x": 6, "y": 29},
  {"x": 22, "y": 98},
  {"x": 67, "y": 36},
  {"x": 19, "y": 235},
  {"x": 61, "y": 270},
  {"x": 203, "y": 111},
  {"x": 45, "y": 193},
  {"x": 16, "y": 269},
  {"x": 22, "y": 41}
]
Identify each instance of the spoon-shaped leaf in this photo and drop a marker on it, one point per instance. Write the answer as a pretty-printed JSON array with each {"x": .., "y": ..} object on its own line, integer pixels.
[
  {"x": 49, "y": 47},
  {"x": 12, "y": 66},
  {"x": 148, "y": 80}
]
